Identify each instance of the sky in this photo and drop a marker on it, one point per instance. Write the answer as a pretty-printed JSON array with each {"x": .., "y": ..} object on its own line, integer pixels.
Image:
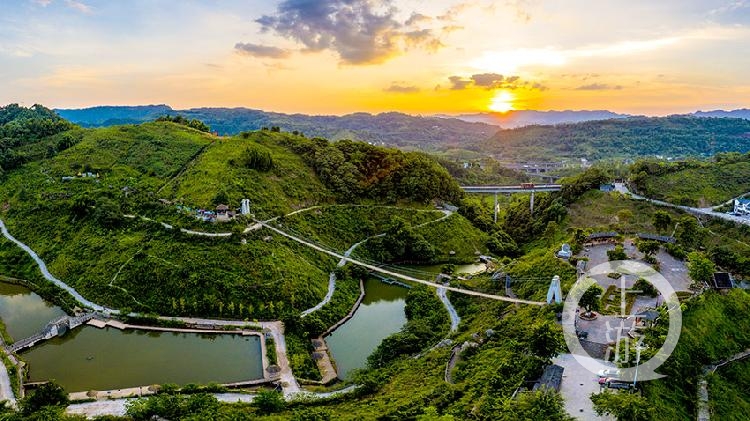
[{"x": 415, "y": 56}]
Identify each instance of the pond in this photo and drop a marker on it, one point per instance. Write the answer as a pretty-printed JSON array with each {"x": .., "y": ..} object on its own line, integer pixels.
[
  {"x": 102, "y": 359},
  {"x": 24, "y": 312},
  {"x": 380, "y": 315}
]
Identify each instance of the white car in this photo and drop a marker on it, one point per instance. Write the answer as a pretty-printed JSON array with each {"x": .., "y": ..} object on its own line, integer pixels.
[{"x": 609, "y": 372}]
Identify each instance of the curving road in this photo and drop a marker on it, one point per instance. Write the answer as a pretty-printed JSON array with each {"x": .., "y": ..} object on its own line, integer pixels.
[
  {"x": 399, "y": 275},
  {"x": 342, "y": 262},
  {"x": 455, "y": 318},
  {"x": 620, "y": 187},
  {"x": 47, "y": 275}
]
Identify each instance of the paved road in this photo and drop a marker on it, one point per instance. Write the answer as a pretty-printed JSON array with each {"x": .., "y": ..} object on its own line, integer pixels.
[
  {"x": 455, "y": 318},
  {"x": 620, "y": 187},
  {"x": 342, "y": 262},
  {"x": 47, "y": 275}
]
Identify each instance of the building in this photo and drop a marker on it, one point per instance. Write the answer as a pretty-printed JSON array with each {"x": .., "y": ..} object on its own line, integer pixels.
[
  {"x": 607, "y": 188},
  {"x": 722, "y": 280},
  {"x": 602, "y": 237},
  {"x": 222, "y": 209},
  {"x": 551, "y": 378},
  {"x": 654, "y": 237},
  {"x": 742, "y": 207}
]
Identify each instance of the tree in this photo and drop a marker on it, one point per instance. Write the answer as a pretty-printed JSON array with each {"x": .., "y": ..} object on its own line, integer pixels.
[
  {"x": 662, "y": 220},
  {"x": 623, "y": 405},
  {"x": 617, "y": 254},
  {"x": 648, "y": 247},
  {"x": 590, "y": 299},
  {"x": 543, "y": 404},
  {"x": 269, "y": 401},
  {"x": 689, "y": 232},
  {"x": 48, "y": 394},
  {"x": 700, "y": 267}
]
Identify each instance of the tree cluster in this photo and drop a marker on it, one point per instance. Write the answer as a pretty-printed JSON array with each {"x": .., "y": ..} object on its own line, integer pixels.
[
  {"x": 192, "y": 123},
  {"x": 357, "y": 170}
]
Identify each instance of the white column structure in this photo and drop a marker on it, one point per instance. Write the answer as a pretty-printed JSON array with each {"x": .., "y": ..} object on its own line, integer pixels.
[{"x": 554, "y": 291}]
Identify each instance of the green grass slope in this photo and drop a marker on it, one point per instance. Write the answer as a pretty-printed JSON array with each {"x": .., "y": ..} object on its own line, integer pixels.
[
  {"x": 77, "y": 226},
  {"x": 695, "y": 183}
]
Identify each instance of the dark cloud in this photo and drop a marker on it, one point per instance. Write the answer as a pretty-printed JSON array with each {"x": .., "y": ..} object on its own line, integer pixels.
[
  {"x": 487, "y": 80},
  {"x": 401, "y": 89},
  {"x": 257, "y": 50},
  {"x": 491, "y": 81},
  {"x": 458, "y": 83},
  {"x": 598, "y": 87},
  {"x": 360, "y": 31}
]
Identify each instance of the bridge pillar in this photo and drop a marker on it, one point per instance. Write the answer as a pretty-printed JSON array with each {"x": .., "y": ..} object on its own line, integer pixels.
[
  {"x": 532, "y": 203},
  {"x": 495, "y": 208}
]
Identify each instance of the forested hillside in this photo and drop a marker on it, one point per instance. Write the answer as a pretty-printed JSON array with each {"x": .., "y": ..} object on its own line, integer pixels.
[
  {"x": 22, "y": 131},
  {"x": 123, "y": 194},
  {"x": 694, "y": 183},
  {"x": 623, "y": 138}
]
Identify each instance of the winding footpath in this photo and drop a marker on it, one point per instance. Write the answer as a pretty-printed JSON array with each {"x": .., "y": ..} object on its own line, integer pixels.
[
  {"x": 442, "y": 293},
  {"x": 47, "y": 275},
  {"x": 399, "y": 275},
  {"x": 704, "y": 412},
  {"x": 332, "y": 277}
]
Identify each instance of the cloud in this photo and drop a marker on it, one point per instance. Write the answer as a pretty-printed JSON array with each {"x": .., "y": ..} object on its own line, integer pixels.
[
  {"x": 487, "y": 80},
  {"x": 598, "y": 87},
  {"x": 417, "y": 18},
  {"x": 401, "y": 89},
  {"x": 43, "y": 3},
  {"x": 359, "y": 31},
  {"x": 79, "y": 6},
  {"x": 458, "y": 83},
  {"x": 257, "y": 50},
  {"x": 492, "y": 81}
]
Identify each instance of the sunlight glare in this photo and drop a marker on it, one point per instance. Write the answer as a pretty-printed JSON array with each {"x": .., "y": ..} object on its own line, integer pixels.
[{"x": 502, "y": 102}]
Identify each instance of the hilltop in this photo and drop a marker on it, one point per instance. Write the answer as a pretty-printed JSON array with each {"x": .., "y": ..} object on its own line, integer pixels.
[
  {"x": 123, "y": 194},
  {"x": 393, "y": 129}
]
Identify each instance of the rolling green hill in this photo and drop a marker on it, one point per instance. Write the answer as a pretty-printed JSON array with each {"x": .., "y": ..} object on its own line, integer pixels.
[
  {"x": 624, "y": 138},
  {"x": 95, "y": 212},
  {"x": 694, "y": 183}
]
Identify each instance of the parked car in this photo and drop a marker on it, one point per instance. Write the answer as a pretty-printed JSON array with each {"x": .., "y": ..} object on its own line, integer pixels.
[
  {"x": 609, "y": 372},
  {"x": 614, "y": 383}
]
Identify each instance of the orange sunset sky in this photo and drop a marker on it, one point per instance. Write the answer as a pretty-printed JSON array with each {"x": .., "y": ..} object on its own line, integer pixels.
[{"x": 342, "y": 56}]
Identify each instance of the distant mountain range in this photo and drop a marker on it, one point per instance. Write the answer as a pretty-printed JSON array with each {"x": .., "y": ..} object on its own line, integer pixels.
[
  {"x": 515, "y": 135},
  {"x": 395, "y": 129}
]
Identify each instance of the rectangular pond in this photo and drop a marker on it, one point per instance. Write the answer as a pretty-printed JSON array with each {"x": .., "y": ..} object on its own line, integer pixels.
[{"x": 103, "y": 359}]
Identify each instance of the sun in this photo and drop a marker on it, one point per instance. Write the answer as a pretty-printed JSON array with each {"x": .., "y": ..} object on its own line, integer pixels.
[{"x": 502, "y": 102}]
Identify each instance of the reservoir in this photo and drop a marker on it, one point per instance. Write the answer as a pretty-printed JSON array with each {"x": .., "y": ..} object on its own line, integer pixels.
[
  {"x": 380, "y": 315},
  {"x": 24, "y": 312},
  {"x": 101, "y": 359}
]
